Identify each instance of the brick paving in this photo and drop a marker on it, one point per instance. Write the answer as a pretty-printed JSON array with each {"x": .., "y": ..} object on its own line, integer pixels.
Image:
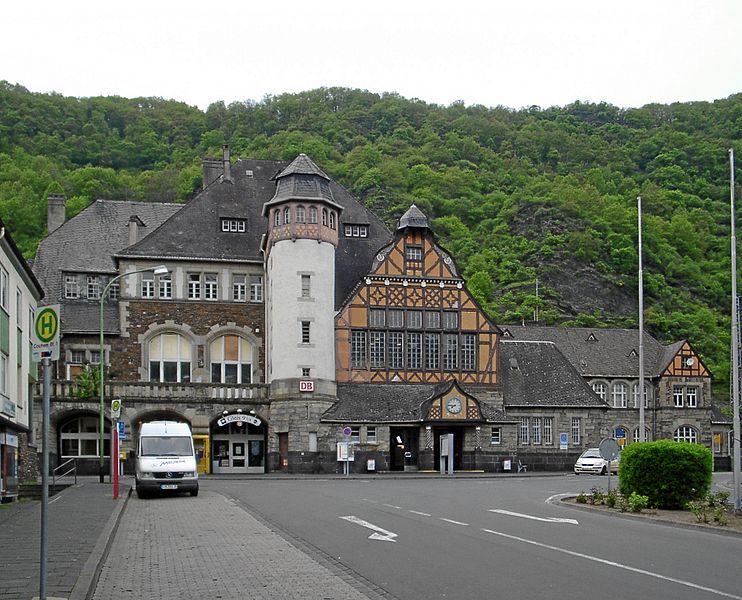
[
  {"x": 79, "y": 517},
  {"x": 210, "y": 547}
]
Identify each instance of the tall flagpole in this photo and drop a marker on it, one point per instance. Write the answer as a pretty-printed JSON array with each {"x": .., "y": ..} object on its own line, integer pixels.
[
  {"x": 735, "y": 344},
  {"x": 642, "y": 428}
]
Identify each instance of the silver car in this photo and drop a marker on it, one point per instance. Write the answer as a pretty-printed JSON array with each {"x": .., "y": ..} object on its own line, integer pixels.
[{"x": 590, "y": 461}]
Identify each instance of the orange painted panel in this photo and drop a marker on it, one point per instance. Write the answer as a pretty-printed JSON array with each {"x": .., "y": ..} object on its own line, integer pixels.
[{"x": 358, "y": 316}]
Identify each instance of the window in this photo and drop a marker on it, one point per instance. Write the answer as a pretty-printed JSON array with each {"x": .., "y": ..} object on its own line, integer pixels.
[
  {"x": 450, "y": 352},
  {"x": 496, "y": 436},
  {"x": 170, "y": 358},
  {"x": 4, "y": 283},
  {"x": 313, "y": 214},
  {"x": 194, "y": 286},
  {"x": 414, "y": 253},
  {"x": 396, "y": 350},
  {"x": 95, "y": 357},
  {"x": 599, "y": 388},
  {"x": 300, "y": 218},
  {"x": 376, "y": 317},
  {"x": 305, "y": 371},
  {"x": 685, "y": 434},
  {"x": 677, "y": 396},
  {"x": 636, "y": 396},
  {"x": 148, "y": 285},
  {"x": 536, "y": 428},
  {"x": 396, "y": 318},
  {"x": 356, "y": 231},
  {"x": 432, "y": 351},
  {"x": 114, "y": 290},
  {"x": 313, "y": 441},
  {"x": 231, "y": 360},
  {"x": 414, "y": 350},
  {"x": 287, "y": 215},
  {"x": 358, "y": 349},
  {"x": 355, "y": 435},
  {"x": 276, "y": 217},
  {"x": 647, "y": 436},
  {"x": 370, "y": 435},
  {"x": 576, "y": 431},
  {"x": 523, "y": 431},
  {"x": 19, "y": 308},
  {"x": 548, "y": 431},
  {"x": 3, "y": 374},
  {"x": 332, "y": 219},
  {"x": 233, "y": 225},
  {"x": 450, "y": 319},
  {"x": 468, "y": 354},
  {"x": 324, "y": 217},
  {"x": 691, "y": 397},
  {"x": 256, "y": 288},
  {"x": 432, "y": 319},
  {"x": 165, "y": 285},
  {"x": 71, "y": 286},
  {"x": 306, "y": 290},
  {"x": 239, "y": 288},
  {"x": 619, "y": 395},
  {"x": 79, "y": 437},
  {"x": 211, "y": 287},
  {"x": 376, "y": 349},
  {"x": 76, "y": 363},
  {"x": 93, "y": 285},
  {"x": 305, "y": 332},
  {"x": 415, "y": 319}
]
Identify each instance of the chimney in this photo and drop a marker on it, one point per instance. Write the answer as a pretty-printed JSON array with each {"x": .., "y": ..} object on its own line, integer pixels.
[
  {"x": 227, "y": 163},
  {"x": 212, "y": 168},
  {"x": 55, "y": 212},
  {"x": 134, "y": 224}
]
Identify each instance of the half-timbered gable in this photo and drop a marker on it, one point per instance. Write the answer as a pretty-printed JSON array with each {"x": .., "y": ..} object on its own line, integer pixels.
[
  {"x": 412, "y": 319},
  {"x": 685, "y": 362}
]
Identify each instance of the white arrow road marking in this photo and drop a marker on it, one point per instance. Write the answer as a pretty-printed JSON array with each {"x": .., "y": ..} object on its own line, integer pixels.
[
  {"x": 379, "y": 533},
  {"x": 534, "y": 518}
]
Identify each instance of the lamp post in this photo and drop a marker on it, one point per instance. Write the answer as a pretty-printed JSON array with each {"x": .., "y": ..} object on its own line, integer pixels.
[{"x": 158, "y": 270}]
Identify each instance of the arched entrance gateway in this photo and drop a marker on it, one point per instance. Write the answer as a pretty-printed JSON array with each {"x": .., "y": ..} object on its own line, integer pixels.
[{"x": 238, "y": 443}]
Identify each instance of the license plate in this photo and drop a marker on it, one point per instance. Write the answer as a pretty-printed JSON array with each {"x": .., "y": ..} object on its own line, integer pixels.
[{"x": 168, "y": 486}]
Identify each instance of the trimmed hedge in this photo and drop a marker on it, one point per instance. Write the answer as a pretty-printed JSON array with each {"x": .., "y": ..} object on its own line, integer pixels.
[{"x": 669, "y": 473}]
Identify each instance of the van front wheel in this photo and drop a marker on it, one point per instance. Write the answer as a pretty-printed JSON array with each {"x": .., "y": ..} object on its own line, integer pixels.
[{"x": 194, "y": 492}]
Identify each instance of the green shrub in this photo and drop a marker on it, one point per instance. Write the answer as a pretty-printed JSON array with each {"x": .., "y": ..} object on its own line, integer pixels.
[
  {"x": 670, "y": 474},
  {"x": 581, "y": 498},
  {"x": 611, "y": 498},
  {"x": 596, "y": 495},
  {"x": 637, "y": 502}
]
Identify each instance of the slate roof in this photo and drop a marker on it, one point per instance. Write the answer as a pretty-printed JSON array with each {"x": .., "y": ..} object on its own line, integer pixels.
[
  {"x": 195, "y": 232},
  {"x": 21, "y": 265},
  {"x": 537, "y": 374},
  {"x": 718, "y": 417},
  {"x": 414, "y": 217},
  {"x": 393, "y": 403},
  {"x": 600, "y": 352},
  {"x": 86, "y": 244}
]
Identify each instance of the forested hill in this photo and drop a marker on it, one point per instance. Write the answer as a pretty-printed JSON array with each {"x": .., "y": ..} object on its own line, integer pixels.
[{"x": 543, "y": 195}]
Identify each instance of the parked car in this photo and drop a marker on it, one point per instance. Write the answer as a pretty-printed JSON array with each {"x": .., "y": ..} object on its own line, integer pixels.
[{"x": 590, "y": 461}]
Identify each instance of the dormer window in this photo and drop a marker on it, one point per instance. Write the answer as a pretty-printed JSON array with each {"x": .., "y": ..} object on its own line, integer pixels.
[
  {"x": 233, "y": 225},
  {"x": 356, "y": 231},
  {"x": 414, "y": 253}
]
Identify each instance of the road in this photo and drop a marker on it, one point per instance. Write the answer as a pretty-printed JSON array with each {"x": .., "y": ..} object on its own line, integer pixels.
[{"x": 490, "y": 537}]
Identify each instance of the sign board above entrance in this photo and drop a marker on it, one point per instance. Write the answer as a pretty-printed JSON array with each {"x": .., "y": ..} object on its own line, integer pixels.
[{"x": 239, "y": 418}]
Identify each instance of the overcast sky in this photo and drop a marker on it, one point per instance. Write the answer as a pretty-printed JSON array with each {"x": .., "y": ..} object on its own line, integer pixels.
[{"x": 513, "y": 53}]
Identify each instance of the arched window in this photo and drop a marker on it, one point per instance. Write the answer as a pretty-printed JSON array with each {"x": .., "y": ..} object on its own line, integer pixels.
[
  {"x": 231, "y": 360},
  {"x": 636, "y": 396},
  {"x": 647, "y": 435},
  {"x": 299, "y": 214},
  {"x": 287, "y": 215},
  {"x": 685, "y": 433},
  {"x": 324, "y": 217},
  {"x": 79, "y": 437},
  {"x": 599, "y": 388},
  {"x": 170, "y": 358},
  {"x": 313, "y": 214},
  {"x": 332, "y": 219},
  {"x": 619, "y": 395},
  {"x": 277, "y": 217}
]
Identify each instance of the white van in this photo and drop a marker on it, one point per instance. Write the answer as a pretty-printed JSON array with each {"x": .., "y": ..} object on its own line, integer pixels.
[{"x": 165, "y": 459}]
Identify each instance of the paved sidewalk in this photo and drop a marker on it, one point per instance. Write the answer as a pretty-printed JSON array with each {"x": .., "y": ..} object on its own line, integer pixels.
[
  {"x": 81, "y": 520},
  {"x": 209, "y": 547}
]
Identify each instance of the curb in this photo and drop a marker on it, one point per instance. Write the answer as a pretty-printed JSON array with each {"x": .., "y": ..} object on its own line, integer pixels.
[{"x": 88, "y": 578}]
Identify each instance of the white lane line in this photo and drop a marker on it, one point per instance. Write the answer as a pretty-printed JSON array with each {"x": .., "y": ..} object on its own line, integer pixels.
[
  {"x": 417, "y": 512},
  {"x": 611, "y": 563},
  {"x": 452, "y": 521},
  {"x": 369, "y": 500},
  {"x": 379, "y": 533},
  {"x": 392, "y": 506},
  {"x": 533, "y": 518}
]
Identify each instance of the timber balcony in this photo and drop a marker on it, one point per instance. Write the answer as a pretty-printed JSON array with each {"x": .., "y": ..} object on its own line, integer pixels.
[{"x": 63, "y": 389}]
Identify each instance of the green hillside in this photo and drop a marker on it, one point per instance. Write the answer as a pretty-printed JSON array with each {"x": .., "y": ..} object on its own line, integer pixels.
[{"x": 517, "y": 196}]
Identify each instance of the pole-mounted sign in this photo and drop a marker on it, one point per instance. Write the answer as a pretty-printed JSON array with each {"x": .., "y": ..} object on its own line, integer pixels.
[{"x": 46, "y": 333}]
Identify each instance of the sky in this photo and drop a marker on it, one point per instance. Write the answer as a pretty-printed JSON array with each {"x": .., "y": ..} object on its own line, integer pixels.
[{"x": 511, "y": 53}]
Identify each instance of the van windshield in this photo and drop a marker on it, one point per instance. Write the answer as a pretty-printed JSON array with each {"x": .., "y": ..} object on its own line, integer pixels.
[{"x": 166, "y": 446}]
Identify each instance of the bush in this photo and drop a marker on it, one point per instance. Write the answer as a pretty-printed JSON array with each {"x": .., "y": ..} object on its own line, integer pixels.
[
  {"x": 637, "y": 502},
  {"x": 670, "y": 474}
]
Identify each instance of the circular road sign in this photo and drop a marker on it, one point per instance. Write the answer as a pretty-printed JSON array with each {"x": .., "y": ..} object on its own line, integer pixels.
[
  {"x": 347, "y": 431},
  {"x": 47, "y": 325},
  {"x": 609, "y": 449}
]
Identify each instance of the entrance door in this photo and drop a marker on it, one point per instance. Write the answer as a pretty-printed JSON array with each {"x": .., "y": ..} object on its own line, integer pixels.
[
  {"x": 283, "y": 451},
  {"x": 403, "y": 444},
  {"x": 238, "y": 454}
]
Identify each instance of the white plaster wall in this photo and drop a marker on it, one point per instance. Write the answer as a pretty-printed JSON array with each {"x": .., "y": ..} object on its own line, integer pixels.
[{"x": 287, "y": 309}]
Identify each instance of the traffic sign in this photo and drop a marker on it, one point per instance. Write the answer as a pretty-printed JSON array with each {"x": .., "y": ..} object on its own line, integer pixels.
[
  {"x": 347, "y": 431},
  {"x": 563, "y": 441},
  {"x": 121, "y": 426},
  {"x": 46, "y": 328},
  {"x": 116, "y": 408}
]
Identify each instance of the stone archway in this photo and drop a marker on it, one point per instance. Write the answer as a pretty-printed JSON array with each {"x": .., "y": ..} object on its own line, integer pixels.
[{"x": 238, "y": 442}]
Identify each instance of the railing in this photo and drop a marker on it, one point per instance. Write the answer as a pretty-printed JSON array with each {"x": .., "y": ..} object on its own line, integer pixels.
[
  {"x": 163, "y": 392},
  {"x": 56, "y": 476}
]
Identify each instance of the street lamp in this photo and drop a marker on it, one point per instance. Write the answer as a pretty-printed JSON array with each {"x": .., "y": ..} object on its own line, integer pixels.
[{"x": 158, "y": 270}]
